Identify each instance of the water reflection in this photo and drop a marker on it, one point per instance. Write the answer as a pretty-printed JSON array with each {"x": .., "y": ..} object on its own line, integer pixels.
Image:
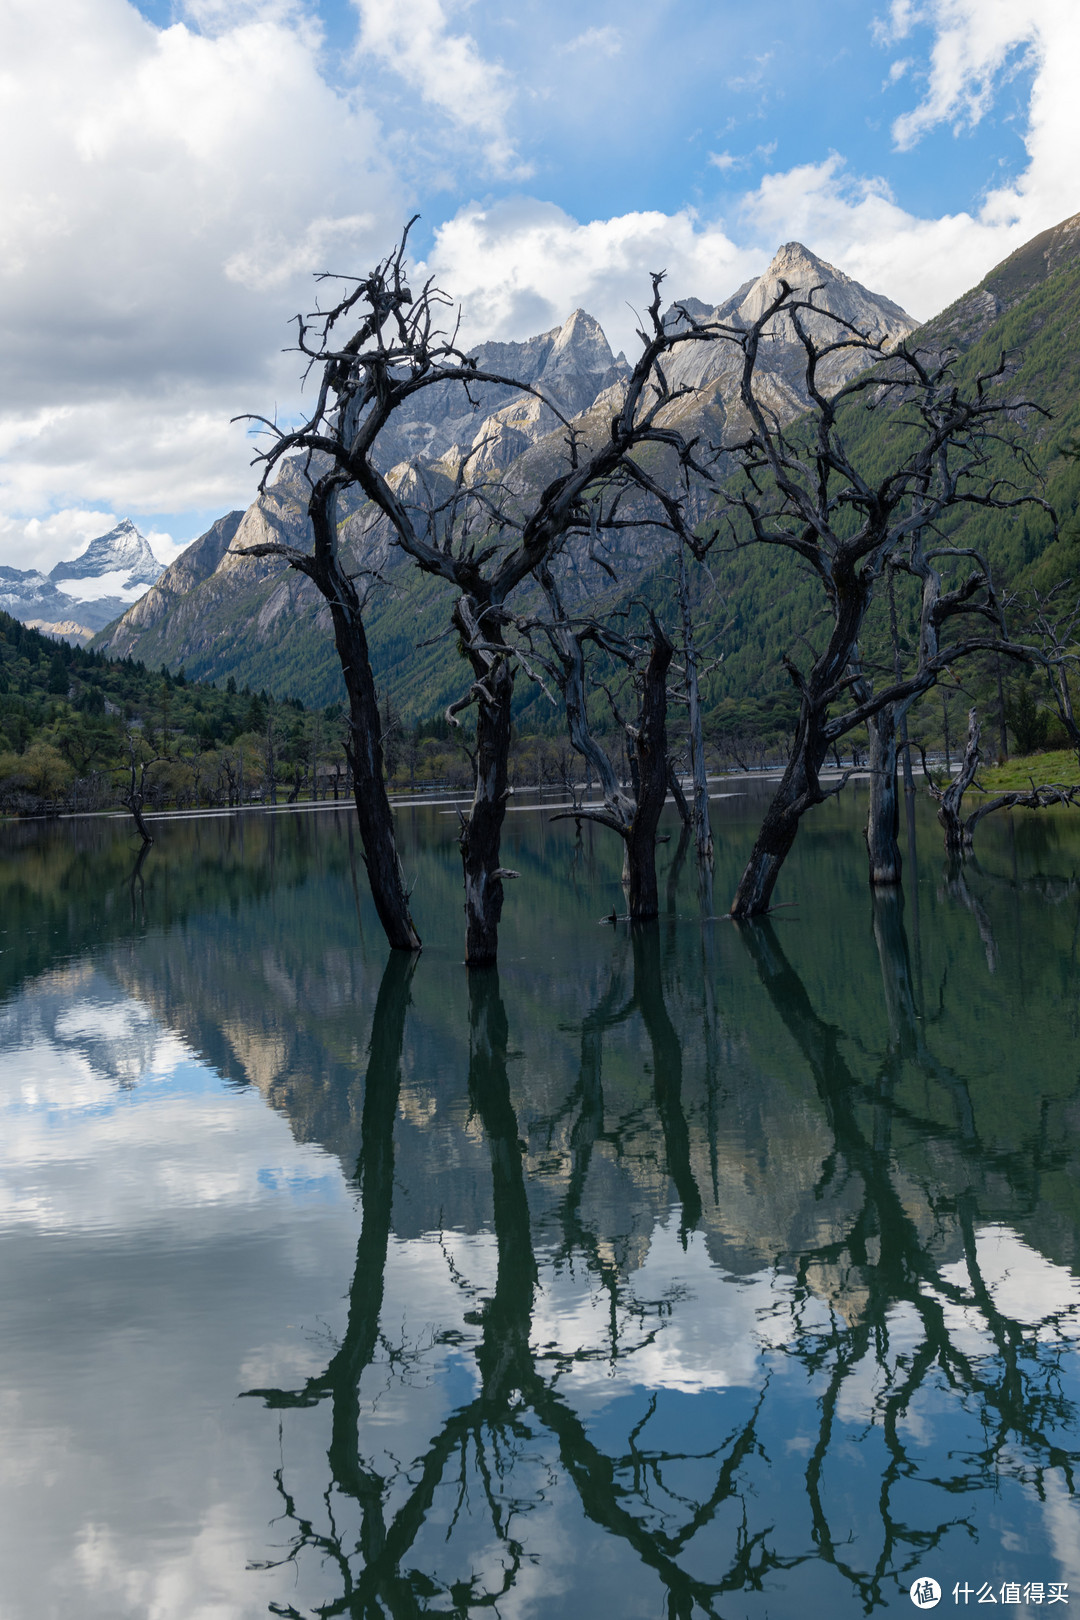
[
  {"x": 691, "y": 1269},
  {"x": 905, "y": 1319},
  {"x": 901, "y": 1308},
  {"x": 518, "y": 1401}
]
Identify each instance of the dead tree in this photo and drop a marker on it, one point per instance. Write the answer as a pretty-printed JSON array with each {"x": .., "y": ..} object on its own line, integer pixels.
[
  {"x": 960, "y": 829},
  {"x": 806, "y": 492},
  {"x": 698, "y": 772},
  {"x": 1057, "y": 632},
  {"x": 633, "y": 811},
  {"x": 135, "y": 797},
  {"x": 480, "y": 539}
]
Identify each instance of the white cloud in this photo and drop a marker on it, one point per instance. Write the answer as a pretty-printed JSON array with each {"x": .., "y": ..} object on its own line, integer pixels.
[
  {"x": 141, "y": 455},
  {"x": 607, "y": 41},
  {"x": 520, "y": 266},
  {"x": 166, "y": 194},
  {"x": 974, "y": 41},
  {"x": 416, "y": 40}
]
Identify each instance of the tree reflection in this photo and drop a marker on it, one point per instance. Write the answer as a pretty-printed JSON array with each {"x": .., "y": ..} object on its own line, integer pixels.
[
  {"x": 888, "y": 1277},
  {"x": 892, "y": 1285},
  {"x": 519, "y": 1403}
]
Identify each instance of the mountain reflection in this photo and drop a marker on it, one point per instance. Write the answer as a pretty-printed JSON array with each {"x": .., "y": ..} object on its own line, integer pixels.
[
  {"x": 700, "y": 1270},
  {"x": 889, "y": 1314}
]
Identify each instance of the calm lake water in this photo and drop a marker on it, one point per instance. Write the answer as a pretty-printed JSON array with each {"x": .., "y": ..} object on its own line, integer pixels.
[{"x": 690, "y": 1271}]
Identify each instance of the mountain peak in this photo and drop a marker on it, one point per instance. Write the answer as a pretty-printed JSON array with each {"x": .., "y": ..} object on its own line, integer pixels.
[
  {"x": 797, "y": 256},
  {"x": 122, "y": 550},
  {"x": 838, "y": 294}
]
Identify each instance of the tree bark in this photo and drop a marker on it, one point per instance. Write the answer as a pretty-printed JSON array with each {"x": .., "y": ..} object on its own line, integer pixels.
[
  {"x": 883, "y": 815},
  {"x": 950, "y": 803},
  {"x": 135, "y": 804},
  {"x": 799, "y": 789},
  {"x": 369, "y": 781},
  {"x": 651, "y": 758},
  {"x": 481, "y": 831},
  {"x": 702, "y": 827}
]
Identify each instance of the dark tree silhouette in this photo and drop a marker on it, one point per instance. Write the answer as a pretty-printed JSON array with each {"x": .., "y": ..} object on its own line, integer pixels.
[
  {"x": 805, "y": 491},
  {"x": 478, "y": 537}
]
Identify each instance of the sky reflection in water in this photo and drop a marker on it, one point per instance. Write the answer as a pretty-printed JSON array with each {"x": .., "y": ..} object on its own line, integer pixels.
[{"x": 694, "y": 1272}]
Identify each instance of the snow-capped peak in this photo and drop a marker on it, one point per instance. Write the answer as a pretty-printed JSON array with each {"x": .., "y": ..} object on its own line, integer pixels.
[{"x": 122, "y": 551}]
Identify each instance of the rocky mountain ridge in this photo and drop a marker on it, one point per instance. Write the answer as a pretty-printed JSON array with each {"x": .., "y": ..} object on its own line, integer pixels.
[{"x": 215, "y": 611}]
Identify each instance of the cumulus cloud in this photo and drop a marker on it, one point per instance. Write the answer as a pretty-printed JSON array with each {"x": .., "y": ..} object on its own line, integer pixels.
[
  {"x": 974, "y": 41},
  {"x": 415, "y": 38},
  {"x": 520, "y": 266},
  {"x": 161, "y": 222}
]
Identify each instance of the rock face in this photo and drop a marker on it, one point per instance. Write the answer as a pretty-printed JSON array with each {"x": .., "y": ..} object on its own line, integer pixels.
[
  {"x": 779, "y": 380},
  {"x": 218, "y": 613},
  {"x": 76, "y": 635},
  {"x": 172, "y": 586},
  {"x": 570, "y": 365},
  {"x": 964, "y": 322}
]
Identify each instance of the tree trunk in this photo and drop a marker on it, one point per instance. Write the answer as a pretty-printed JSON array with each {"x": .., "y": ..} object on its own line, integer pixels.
[
  {"x": 481, "y": 831},
  {"x": 702, "y": 828},
  {"x": 883, "y": 816},
  {"x": 950, "y": 803},
  {"x": 799, "y": 789},
  {"x": 369, "y": 782},
  {"x": 135, "y": 804},
  {"x": 651, "y": 760},
  {"x": 800, "y": 786},
  {"x": 679, "y": 796}
]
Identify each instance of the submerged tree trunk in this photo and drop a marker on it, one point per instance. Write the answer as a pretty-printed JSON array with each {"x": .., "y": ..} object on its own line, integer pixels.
[
  {"x": 800, "y": 785},
  {"x": 324, "y": 568},
  {"x": 883, "y": 815},
  {"x": 369, "y": 781},
  {"x": 702, "y": 827},
  {"x": 481, "y": 829},
  {"x": 135, "y": 797},
  {"x": 651, "y": 759},
  {"x": 950, "y": 802},
  {"x": 135, "y": 805},
  {"x": 799, "y": 789}
]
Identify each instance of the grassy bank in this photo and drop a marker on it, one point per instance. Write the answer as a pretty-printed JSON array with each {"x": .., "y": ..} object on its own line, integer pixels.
[{"x": 1056, "y": 765}]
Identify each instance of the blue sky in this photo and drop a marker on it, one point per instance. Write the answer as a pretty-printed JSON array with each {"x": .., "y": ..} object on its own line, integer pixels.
[
  {"x": 173, "y": 172},
  {"x": 628, "y": 107}
]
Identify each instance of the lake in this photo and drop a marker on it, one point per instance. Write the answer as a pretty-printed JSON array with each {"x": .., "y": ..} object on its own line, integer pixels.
[{"x": 682, "y": 1271}]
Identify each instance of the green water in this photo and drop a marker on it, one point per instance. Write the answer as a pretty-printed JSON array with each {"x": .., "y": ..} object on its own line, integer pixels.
[{"x": 689, "y": 1271}]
